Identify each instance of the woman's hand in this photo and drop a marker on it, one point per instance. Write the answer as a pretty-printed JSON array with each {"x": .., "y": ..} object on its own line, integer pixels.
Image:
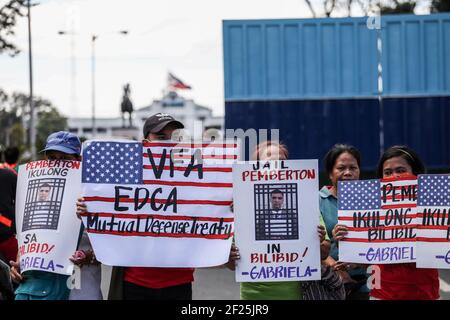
[
  {"x": 339, "y": 232},
  {"x": 344, "y": 266},
  {"x": 322, "y": 232},
  {"x": 81, "y": 207}
]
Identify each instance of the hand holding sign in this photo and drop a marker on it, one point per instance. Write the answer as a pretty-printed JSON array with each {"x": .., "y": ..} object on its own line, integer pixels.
[
  {"x": 340, "y": 231},
  {"x": 15, "y": 271},
  {"x": 377, "y": 220}
]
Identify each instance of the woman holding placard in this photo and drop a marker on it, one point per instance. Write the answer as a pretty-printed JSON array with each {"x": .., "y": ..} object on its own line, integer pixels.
[
  {"x": 286, "y": 290},
  {"x": 401, "y": 281},
  {"x": 342, "y": 162}
]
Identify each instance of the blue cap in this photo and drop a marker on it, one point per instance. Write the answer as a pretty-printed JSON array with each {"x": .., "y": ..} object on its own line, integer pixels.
[{"x": 63, "y": 141}]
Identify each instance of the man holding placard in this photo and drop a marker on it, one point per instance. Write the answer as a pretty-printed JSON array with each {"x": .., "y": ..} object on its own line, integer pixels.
[{"x": 151, "y": 283}]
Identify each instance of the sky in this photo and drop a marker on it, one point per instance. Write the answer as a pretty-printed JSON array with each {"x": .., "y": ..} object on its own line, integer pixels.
[{"x": 178, "y": 36}]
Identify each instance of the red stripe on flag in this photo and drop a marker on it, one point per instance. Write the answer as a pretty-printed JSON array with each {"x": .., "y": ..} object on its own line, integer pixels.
[
  {"x": 155, "y": 216},
  {"x": 163, "y": 201},
  {"x": 433, "y": 215},
  {"x": 206, "y": 169},
  {"x": 432, "y": 239},
  {"x": 433, "y": 227},
  {"x": 405, "y": 177},
  {"x": 7, "y": 222},
  {"x": 397, "y": 188},
  {"x": 374, "y": 218},
  {"x": 377, "y": 241},
  {"x": 167, "y": 235},
  {"x": 189, "y": 145},
  {"x": 190, "y": 184},
  {"x": 411, "y": 226},
  {"x": 399, "y": 206},
  {"x": 398, "y": 197},
  {"x": 189, "y": 156}
]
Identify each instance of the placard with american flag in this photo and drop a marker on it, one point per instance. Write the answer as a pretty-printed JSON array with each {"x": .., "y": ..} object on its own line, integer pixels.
[
  {"x": 159, "y": 204},
  {"x": 381, "y": 219},
  {"x": 433, "y": 231}
]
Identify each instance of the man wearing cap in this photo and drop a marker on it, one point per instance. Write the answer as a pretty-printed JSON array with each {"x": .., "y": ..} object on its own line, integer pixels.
[
  {"x": 160, "y": 126},
  {"x": 158, "y": 283},
  {"x": 145, "y": 283},
  {"x": 41, "y": 285}
]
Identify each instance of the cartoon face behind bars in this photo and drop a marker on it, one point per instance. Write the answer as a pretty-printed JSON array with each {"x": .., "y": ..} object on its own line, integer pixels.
[
  {"x": 44, "y": 192},
  {"x": 276, "y": 199}
]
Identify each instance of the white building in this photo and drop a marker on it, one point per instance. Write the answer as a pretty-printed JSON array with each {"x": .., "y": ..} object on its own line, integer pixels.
[{"x": 196, "y": 119}]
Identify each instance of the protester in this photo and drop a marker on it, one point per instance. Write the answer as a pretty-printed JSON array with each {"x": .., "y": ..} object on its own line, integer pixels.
[
  {"x": 12, "y": 158},
  {"x": 285, "y": 290},
  {"x": 149, "y": 283},
  {"x": 401, "y": 281},
  {"x": 42, "y": 285},
  {"x": 8, "y": 241},
  {"x": 342, "y": 162}
]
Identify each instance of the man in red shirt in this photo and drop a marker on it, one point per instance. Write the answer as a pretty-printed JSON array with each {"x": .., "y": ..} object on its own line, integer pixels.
[{"x": 142, "y": 283}]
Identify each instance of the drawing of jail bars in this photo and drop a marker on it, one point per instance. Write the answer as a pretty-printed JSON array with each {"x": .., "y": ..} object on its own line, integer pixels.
[
  {"x": 277, "y": 227},
  {"x": 41, "y": 215}
]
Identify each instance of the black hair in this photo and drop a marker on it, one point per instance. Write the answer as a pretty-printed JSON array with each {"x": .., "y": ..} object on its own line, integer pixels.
[
  {"x": 11, "y": 155},
  {"x": 404, "y": 152},
  {"x": 276, "y": 191},
  {"x": 330, "y": 158},
  {"x": 45, "y": 185}
]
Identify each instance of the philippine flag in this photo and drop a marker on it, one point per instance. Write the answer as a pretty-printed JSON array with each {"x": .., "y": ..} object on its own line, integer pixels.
[{"x": 174, "y": 82}]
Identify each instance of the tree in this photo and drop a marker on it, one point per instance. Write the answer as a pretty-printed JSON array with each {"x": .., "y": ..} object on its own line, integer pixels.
[
  {"x": 398, "y": 7},
  {"x": 344, "y": 7},
  {"x": 440, "y": 6},
  {"x": 8, "y": 19},
  {"x": 49, "y": 120},
  {"x": 15, "y": 117}
]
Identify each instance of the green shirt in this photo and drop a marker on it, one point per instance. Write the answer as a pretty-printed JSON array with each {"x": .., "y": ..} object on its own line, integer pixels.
[
  {"x": 281, "y": 290},
  {"x": 286, "y": 290}
]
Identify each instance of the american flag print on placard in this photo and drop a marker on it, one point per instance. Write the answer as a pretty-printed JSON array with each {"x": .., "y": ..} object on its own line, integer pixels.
[
  {"x": 380, "y": 216},
  {"x": 144, "y": 198},
  {"x": 433, "y": 217}
]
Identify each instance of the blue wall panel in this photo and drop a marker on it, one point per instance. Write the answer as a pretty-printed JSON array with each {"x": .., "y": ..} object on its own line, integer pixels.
[
  {"x": 423, "y": 124},
  {"x": 298, "y": 59},
  {"x": 336, "y": 58},
  {"x": 311, "y": 127},
  {"x": 415, "y": 55},
  {"x": 316, "y": 80}
]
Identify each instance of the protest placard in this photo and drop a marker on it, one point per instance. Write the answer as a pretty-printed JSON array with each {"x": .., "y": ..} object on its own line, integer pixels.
[
  {"x": 433, "y": 219},
  {"x": 381, "y": 219},
  {"x": 47, "y": 226},
  {"x": 159, "y": 204},
  {"x": 277, "y": 214}
]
